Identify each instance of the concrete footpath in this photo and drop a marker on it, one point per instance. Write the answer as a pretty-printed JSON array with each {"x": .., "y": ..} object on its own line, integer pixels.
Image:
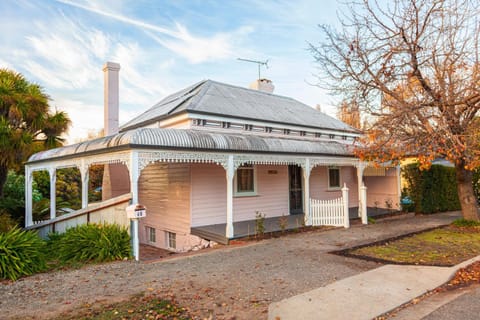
[{"x": 366, "y": 295}]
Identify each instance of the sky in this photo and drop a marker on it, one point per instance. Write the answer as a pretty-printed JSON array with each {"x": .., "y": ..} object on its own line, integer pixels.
[{"x": 162, "y": 47}]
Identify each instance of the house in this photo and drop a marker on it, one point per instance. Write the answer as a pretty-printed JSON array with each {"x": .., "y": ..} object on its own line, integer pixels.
[{"x": 212, "y": 155}]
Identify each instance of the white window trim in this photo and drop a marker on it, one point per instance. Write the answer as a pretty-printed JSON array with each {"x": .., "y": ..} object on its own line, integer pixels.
[
  {"x": 339, "y": 178},
  {"x": 246, "y": 194},
  {"x": 148, "y": 232},
  {"x": 167, "y": 240}
]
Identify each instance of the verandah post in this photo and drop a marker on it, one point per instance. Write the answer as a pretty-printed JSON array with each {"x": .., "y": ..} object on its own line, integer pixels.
[
  {"x": 363, "y": 196},
  {"x": 306, "y": 201},
  {"x": 84, "y": 174},
  {"x": 134, "y": 172},
  {"x": 346, "y": 217},
  {"x": 360, "y": 169},
  {"x": 53, "y": 192},
  {"x": 28, "y": 196},
  {"x": 230, "y": 172}
]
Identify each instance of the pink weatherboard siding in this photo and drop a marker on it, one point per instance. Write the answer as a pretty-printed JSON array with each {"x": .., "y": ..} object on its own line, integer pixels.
[
  {"x": 382, "y": 189},
  {"x": 209, "y": 195},
  {"x": 319, "y": 185},
  {"x": 272, "y": 195}
]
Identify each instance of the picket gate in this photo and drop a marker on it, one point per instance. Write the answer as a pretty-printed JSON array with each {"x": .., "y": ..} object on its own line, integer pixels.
[{"x": 330, "y": 212}]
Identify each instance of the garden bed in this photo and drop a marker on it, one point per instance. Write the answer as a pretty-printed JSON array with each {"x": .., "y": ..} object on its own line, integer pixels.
[{"x": 446, "y": 246}]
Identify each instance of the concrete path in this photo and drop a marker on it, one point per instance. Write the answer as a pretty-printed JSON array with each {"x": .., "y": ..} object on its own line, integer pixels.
[{"x": 366, "y": 295}]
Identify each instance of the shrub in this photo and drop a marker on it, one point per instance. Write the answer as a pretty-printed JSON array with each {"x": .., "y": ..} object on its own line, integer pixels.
[
  {"x": 432, "y": 190},
  {"x": 283, "y": 223},
  {"x": 13, "y": 200},
  {"x": 6, "y": 221},
  {"x": 21, "y": 253},
  {"x": 91, "y": 242},
  {"x": 259, "y": 223},
  {"x": 466, "y": 223}
]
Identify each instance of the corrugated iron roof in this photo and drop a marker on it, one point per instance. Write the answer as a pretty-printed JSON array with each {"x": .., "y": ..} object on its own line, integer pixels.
[
  {"x": 220, "y": 99},
  {"x": 201, "y": 140}
]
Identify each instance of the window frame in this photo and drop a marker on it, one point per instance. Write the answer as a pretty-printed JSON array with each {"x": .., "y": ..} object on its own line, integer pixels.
[
  {"x": 171, "y": 238},
  {"x": 151, "y": 231},
  {"x": 254, "y": 192},
  {"x": 330, "y": 187}
]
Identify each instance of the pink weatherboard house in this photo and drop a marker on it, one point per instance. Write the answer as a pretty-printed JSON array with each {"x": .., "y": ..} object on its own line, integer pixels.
[{"x": 205, "y": 160}]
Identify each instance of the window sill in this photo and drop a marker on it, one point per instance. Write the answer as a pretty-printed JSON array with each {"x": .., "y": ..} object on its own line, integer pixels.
[
  {"x": 245, "y": 194},
  {"x": 335, "y": 189}
]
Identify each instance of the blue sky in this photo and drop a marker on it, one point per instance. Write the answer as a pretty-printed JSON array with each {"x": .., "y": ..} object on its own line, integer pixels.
[{"x": 162, "y": 46}]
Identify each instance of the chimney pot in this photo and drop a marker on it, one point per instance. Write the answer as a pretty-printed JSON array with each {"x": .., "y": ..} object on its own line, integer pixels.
[{"x": 262, "y": 85}]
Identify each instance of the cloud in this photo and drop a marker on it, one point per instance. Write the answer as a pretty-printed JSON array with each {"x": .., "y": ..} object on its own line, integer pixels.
[
  {"x": 196, "y": 49},
  {"x": 65, "y": 54},
  {"x": 81, "y": 114}
]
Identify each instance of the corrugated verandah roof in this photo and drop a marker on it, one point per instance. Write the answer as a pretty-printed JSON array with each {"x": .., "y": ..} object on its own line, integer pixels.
[
  {"x": 200, "y": 140},
  {"x": 220, "y": 99}
]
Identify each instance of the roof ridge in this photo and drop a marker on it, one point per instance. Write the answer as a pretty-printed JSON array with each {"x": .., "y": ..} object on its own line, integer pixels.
[
  {"x": 199, "y": 96},
  {"x": 254, "y": 90}
]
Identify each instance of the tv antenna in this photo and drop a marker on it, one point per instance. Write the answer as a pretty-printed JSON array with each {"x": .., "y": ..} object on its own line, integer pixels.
[{"x": 259, "y": 63}]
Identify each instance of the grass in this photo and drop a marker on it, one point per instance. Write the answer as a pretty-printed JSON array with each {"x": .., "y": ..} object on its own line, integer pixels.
[
  {"x": 138, "y": 307},
  {"x": 445, "y": 247}
]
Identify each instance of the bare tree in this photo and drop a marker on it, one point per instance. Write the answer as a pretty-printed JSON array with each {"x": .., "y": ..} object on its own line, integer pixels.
[{"x": 414, "y": 66}]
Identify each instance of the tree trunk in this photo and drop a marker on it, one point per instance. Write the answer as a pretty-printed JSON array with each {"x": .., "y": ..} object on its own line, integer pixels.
[
  {"x": 3, "y": 178},
  {"x": 466, "y": 195}
]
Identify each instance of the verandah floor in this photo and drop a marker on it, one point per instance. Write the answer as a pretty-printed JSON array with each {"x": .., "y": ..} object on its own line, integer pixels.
[{"x": 216, "y": 232}]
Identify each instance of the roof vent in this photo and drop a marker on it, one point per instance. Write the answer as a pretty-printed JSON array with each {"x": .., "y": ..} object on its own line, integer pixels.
[{"x": 262, "y": 85}]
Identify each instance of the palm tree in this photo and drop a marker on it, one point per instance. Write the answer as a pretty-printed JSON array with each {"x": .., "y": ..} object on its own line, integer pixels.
[{"x": 26, "y": 123}]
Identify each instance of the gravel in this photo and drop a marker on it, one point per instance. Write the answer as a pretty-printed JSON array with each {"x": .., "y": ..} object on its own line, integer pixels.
[{"x": 227, "y": 282}]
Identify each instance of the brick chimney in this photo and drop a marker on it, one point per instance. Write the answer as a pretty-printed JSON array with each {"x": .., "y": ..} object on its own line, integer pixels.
[
  {"x": 111, "y": 99},
  {"x": 116, "y": 179},
  {"x": 262, "y": 85}
]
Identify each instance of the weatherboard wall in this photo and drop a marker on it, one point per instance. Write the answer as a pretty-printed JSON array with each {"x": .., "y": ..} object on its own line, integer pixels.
[
  {"x": 209, "y": 204},
  {"x": 319, "y": 185},
  {"x": 164, "y": 188}
]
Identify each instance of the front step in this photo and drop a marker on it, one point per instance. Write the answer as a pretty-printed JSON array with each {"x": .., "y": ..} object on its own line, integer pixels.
[{"x": 208, "y": 235}]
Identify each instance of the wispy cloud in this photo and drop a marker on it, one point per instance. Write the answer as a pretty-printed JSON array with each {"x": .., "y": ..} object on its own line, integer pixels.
[
  {"x": 196, "y": 49},
  {"x": 66, "y": 57}
]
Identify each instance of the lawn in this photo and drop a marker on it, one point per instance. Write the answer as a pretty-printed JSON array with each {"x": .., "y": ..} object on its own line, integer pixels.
[
  {"x": 443, "y": 247},
  {"x": 138, "y": 307}
]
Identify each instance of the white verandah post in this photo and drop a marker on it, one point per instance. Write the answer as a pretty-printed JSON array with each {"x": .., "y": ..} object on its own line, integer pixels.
[
  {"x": 84, "y": 173},
  {"x": 363, "y": 196},
  {"x": 230, "y": 173},
  {"x": 53, "y": 192},
  {"x": 28, "y": 196},
  {"x": 134, "y": 175},
  {"x": 360, "y": 169},
  {"x": 306, "y": 201},
  {"x": 346, "y": 216}
]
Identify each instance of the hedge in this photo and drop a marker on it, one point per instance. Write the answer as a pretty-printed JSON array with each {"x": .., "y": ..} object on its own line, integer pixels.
[{"x": 432, "y": 190}]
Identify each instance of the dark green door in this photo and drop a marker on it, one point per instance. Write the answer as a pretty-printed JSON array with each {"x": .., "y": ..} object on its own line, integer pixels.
[{"x": 295, "y": 189}]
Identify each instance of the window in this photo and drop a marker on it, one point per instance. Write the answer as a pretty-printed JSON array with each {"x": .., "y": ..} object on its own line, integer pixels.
[
  {"x": 171, "y": 240},
  {"x": 333, "y": 178},
  {"x": 151, "y": 235},
  {"x": 245, "y": 181}
]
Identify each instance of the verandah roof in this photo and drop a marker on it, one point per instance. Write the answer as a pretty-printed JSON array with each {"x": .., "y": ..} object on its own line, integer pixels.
[{"x": 201, "y": 140}]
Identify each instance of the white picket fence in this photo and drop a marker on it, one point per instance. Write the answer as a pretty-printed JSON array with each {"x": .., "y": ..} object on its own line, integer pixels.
[{"x": 330, "y": 212}]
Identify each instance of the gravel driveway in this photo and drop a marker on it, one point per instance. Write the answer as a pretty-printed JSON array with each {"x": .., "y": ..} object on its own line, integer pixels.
[{"x": 232, "y": 282}]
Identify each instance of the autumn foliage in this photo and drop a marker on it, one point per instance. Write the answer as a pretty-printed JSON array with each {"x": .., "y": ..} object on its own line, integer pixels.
[{"x": 413, "y": 67}]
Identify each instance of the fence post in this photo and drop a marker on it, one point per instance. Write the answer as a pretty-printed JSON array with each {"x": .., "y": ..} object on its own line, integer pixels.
[{"x": 346, "y": 216}]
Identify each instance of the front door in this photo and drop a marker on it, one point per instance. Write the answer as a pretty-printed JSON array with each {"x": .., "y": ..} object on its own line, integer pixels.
[{"x": 295, "y": 189}]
